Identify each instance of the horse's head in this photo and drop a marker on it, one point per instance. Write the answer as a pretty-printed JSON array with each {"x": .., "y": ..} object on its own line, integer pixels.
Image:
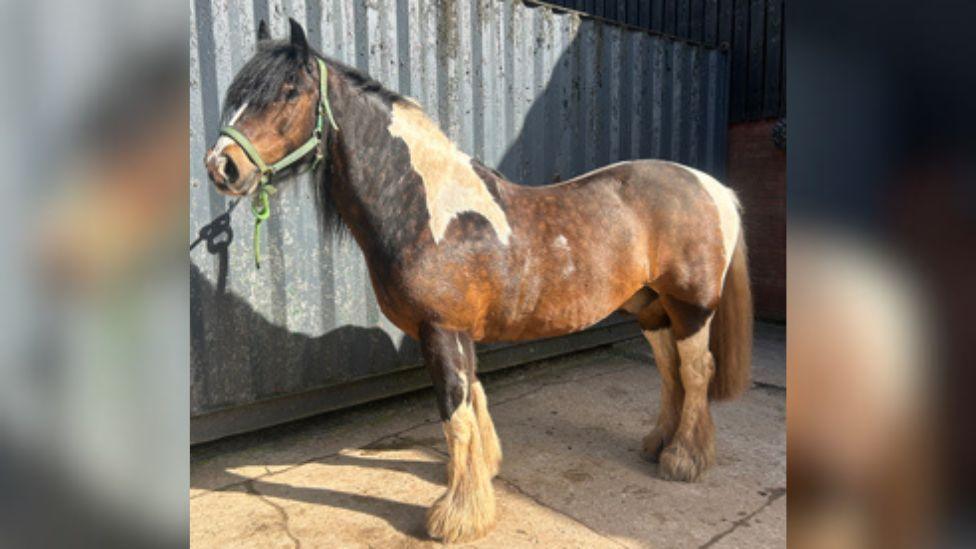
[{"x": 272, "y": 113}]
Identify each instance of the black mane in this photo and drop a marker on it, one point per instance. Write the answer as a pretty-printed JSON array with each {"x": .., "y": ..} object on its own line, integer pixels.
[
  {"x": 276, "y": 63},
  {"x": 363, "y": 82}
]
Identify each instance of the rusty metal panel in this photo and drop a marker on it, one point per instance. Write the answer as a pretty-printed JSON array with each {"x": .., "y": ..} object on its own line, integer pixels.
[{"x": 541, "y": 95}]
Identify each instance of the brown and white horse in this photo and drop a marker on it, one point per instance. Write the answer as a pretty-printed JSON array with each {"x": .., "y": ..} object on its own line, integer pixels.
[{"x": 457, "y": 254}]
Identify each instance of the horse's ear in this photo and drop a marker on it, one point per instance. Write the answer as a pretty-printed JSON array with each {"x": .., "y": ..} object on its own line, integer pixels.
[
  {"x": 298, "y": 36},
  {"x": 263, "y": 32}
]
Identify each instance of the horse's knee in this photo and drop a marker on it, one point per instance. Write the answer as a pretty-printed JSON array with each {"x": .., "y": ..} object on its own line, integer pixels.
[
  {"x": 454, "y": 395},
  {"x": 447, "y": 366}
]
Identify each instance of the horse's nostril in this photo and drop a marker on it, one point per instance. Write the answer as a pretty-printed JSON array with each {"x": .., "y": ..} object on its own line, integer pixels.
[{"x": 229, "y": 170}]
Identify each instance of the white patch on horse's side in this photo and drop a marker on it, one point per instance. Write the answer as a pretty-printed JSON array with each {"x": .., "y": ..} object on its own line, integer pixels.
[
  {"x": 728, "y": 211},
  {"x": 450, "y": 183},
  {"x": 562, "y": 245}
]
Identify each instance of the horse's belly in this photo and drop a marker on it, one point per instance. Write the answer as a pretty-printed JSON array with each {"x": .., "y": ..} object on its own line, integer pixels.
[
  {"x": 566, "y": 320},
  {"x": 559, "y": 310}
]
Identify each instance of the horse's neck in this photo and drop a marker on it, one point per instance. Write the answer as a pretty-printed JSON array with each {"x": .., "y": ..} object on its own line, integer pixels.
[{"x": 372, "y": 188}]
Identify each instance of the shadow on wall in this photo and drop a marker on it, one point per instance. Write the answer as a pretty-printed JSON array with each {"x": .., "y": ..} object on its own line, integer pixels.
[
  {"x": 274, "y": 360},
  {"x": 613, "y": 95},
  {"x": 558, "y": 134}
]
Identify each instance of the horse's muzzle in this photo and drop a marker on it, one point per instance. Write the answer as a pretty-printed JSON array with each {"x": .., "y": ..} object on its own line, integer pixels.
[{"x": 225, "y": 172}]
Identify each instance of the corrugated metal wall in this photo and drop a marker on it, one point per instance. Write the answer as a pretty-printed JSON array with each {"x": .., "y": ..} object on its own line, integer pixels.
[
  {"x": 538, "y": 95},
  {"x": 753, "y": 30}
]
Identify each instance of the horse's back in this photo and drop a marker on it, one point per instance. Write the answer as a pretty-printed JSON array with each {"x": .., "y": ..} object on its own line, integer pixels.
[
  {"x": 667, "y": 198},
  {"x": 683, "y": 220},
  {"x": 644, "y": 179},
  {"x": 581, "y": 248}
]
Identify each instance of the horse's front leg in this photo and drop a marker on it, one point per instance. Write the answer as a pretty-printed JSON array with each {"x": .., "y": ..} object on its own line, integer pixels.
[
  {"x": 490, "y": 445},
  {"x": 466, "y": 511}
]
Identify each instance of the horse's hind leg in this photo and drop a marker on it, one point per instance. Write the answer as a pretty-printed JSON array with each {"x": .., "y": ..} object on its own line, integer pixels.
[
  {"x": 692, "y": 450},
  {"x": 672, "y": 394},
  {"x": 646, "y": 305},
  {"x": 466, "y": 511}
]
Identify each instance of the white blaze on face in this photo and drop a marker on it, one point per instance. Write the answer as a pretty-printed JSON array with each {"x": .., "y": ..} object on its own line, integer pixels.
[
  {"x": 728, "y": 210},
  {"x": 237, "y": 114},
  {"x": 450, "y": 183},
  {"x": 224, "y": 141}
]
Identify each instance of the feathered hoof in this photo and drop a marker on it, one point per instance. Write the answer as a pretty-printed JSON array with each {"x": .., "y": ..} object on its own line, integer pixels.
[
  {"x": 684, "y": 463},
  {"x": 454, "y": 519},
  {"x": 491, "y": 447},
  {"x": 492, "y": 454},
  {"x": 653, "y": 444}
]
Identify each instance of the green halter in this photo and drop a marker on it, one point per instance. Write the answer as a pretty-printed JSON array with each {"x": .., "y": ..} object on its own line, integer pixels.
[{"x": 260, "y": 207}]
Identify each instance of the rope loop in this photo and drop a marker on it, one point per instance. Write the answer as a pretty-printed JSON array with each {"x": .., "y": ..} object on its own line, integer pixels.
[{"x": 261, "y": 208}]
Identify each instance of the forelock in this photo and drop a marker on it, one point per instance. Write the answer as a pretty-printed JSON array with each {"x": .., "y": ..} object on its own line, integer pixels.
[{"x": 260, "y": 79}]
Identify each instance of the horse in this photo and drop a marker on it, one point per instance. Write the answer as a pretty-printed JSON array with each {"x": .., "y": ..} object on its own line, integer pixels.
[{"x": 457, "y": 254}]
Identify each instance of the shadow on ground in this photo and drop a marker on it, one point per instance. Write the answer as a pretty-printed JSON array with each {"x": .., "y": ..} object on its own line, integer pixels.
[{"x": 405, "y": 518}]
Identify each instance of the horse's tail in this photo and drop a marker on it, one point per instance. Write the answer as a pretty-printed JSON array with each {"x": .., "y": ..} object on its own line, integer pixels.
[{"x": 730, "y": 340}]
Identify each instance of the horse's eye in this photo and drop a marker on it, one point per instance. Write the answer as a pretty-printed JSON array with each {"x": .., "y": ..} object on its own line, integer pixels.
[{"x": 291, "y": 94}]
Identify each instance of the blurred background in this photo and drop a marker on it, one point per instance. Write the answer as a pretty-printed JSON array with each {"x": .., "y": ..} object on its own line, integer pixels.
[
  {"x": 94, "y": 398},
  {"x": 880, "y": 264},
  {"x": 95, "y": 344}
]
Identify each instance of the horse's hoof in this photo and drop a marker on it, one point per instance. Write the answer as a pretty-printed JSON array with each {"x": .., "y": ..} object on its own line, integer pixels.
[
  {"x": 679, "y": 462},
  {"x": 653, "y": 444},
  {"x": 454, "y": 519}
]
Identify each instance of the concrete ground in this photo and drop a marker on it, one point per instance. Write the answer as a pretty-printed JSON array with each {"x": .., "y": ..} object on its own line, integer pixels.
[{"x": 571, "y": 430}]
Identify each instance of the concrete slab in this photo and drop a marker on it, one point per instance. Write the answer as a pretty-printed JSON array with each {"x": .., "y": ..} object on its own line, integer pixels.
[
  {"x": 365, "y": 498},
  {"x": 224, "y": 463},
  {"x": 571, "y": 430}
]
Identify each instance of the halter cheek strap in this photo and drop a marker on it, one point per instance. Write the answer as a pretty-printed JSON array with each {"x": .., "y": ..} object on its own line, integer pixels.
[{"x": 260, "y": 206}]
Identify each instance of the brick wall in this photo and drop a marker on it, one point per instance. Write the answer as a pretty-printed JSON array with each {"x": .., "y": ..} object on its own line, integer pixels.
[{"x": 757, "y": 171}]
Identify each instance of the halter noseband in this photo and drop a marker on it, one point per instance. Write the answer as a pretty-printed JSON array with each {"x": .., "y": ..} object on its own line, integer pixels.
[{"x": 260, "y": 208}]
